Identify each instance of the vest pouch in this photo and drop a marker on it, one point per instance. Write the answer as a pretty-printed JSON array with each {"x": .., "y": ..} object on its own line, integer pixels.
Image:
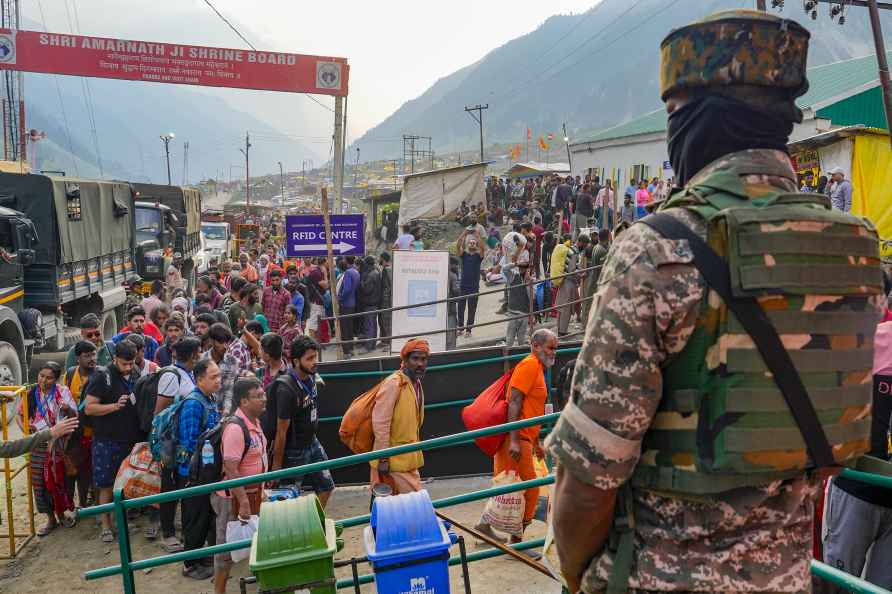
[{"x": 723, "y": 422}]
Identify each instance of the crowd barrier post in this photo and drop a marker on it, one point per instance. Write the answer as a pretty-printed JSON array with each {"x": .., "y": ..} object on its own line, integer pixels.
[{"x": 10, "y": 394}]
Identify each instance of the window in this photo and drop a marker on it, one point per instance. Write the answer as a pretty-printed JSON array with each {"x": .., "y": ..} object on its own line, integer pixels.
[
  {"x": 147, "y": 220},
  {"x": 73, "y": 202}
]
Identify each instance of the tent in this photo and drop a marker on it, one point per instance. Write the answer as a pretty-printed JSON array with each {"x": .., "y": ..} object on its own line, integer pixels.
[
  {"x": 533, "y": 169},
  {"x": 439, "y": 193},
  {"x": 865, "y": 157}
]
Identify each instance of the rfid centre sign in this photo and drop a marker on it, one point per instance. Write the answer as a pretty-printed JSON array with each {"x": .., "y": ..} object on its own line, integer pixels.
[{"x": 305, "y": 235}]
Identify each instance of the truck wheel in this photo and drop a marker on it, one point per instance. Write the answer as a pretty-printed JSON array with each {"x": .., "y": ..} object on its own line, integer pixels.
[
  {"x": 10, "y": 365},
  {"x": 10, "y": 375},
  {"x": 109, "y": 325}
]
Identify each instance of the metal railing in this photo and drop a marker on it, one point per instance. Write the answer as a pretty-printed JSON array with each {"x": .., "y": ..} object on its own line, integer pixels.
[
  {"x": 501, "y": 289},
  {"x": 120, "y": 505},
  {"x": 17, "y": 541}
]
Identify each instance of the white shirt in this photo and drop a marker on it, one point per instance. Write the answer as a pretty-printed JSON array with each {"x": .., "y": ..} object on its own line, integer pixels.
[{"x": 171, "y": 386}]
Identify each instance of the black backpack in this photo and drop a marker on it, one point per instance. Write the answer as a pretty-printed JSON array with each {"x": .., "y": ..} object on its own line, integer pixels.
[
  {"x": 146, "y": 392},
  {"x": 205, "y": 472},
  {"x": 270, "y": 419},
  {"x": 565, "y": 380}
]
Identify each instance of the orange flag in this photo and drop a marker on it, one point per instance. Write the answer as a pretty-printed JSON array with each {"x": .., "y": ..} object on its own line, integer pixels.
[{"x": 542, "y": 144}]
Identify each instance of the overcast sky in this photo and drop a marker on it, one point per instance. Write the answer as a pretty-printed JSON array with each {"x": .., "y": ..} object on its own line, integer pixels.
[{"x": 396, "y": 48}]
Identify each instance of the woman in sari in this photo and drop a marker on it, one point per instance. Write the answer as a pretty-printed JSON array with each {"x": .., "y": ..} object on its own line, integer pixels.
[{"x": 48, "y": 404}]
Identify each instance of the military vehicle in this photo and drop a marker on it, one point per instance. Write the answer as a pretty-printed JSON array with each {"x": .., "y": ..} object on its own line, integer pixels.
[
  {"x": 161, "y": 210},
  {"x": 66, "y": 249}
]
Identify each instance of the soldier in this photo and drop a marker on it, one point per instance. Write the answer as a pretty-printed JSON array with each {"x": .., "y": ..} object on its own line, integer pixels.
[{"x": 681, "y": 467}]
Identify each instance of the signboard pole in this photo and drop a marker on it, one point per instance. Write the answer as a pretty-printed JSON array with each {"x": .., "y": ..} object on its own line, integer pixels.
[
  {"x": 332, "y": 285},
  {"x": 337, "y": 176}
]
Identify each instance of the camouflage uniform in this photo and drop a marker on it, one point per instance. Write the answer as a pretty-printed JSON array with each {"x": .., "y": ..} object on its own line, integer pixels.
[
  {"x": 645, "y": 309},
  {"x": 648, "y": 301}
]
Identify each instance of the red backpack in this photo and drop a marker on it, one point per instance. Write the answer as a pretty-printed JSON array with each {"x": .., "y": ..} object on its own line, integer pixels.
[{"x": 489, "y": 408}]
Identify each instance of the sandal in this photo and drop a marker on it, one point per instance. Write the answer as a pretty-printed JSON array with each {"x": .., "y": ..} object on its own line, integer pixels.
[
  {"x": 69, "y": 520},
  {"x": 150, "y": 532},
  {"x": 107, "y": 536},
  {"x": 47, "y": 528}
]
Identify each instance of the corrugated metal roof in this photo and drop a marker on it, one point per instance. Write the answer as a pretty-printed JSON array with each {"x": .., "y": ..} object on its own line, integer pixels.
[{"x": 828, "y": 84}]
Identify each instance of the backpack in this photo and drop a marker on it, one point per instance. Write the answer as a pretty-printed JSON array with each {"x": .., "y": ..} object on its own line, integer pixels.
[
  {"x": 163, "y": 435},
  {"x": 356, "y": 427},
  {"x": 205, "y": 472},
  {"x": 146, "y": 392},
  {"x": 565, "y": 380},
  {"x": 82, "y": 417}
]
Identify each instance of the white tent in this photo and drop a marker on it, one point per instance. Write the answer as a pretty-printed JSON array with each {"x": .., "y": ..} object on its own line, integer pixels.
[{"x": 439, "y": 193}]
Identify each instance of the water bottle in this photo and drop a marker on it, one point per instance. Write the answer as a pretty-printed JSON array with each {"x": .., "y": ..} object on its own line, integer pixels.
[{"x": 207, "y": 454}]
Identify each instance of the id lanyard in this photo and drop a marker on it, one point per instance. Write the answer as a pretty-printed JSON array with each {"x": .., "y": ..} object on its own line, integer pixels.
[{"x": 310, "y": 388}]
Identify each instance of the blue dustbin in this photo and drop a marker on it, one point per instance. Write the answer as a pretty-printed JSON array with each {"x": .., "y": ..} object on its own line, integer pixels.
[{"x": 408, "y": 546}]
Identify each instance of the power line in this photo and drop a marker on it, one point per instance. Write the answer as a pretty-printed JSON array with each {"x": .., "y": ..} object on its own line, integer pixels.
[
  {"x": 251, "y": 45},
  {"x": 574, "y": 50},
  {"x": 87, "y": 93},
  {"x": 61, "y": 103}
]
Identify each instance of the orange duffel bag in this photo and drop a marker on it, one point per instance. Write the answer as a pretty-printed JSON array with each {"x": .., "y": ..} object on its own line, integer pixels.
[
  {"x": 356, "y": 427},
  {"x": 490, "y": 408}
]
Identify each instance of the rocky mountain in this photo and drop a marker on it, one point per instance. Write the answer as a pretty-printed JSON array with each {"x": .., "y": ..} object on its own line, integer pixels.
[{"x": 591, "y": 71}]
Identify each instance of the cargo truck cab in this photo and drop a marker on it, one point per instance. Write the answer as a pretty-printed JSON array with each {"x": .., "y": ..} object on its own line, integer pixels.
[
  {"x": 20, "y": 327},
  {"x": 154, "y": 234}
]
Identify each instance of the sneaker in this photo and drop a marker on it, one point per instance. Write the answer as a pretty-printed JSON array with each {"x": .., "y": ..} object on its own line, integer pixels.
[
  {"x": 171, "y": 544},
  {"x": 150, "y": 532},
  {"x": 198, "y": 572},
  {"x": 107, "y": 536}
]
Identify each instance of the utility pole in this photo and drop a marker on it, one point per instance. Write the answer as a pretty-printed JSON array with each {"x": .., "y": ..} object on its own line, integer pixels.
[
  {"x": 567, "y": 143},
  {"x": 355, "y": 167},
  {"x": 882, "y": 63},
  {"x": 166, "y": 138},
  {"x": 246, "y": 151},
  {"x": 186, "y": 163},
  {"x": 479, "y": 119},
  {"x": 282, "y": 181}
]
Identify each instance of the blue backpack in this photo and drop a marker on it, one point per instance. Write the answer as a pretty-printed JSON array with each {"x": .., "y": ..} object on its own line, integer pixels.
[{"x": 163, "y": 437}]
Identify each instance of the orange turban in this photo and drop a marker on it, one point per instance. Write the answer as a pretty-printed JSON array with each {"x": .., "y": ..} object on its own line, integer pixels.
[{"x": 415, "y": 344}]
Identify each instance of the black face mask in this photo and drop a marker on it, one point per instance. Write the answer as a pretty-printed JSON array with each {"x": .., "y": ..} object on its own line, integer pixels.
[{"x": 714, "y": 125}]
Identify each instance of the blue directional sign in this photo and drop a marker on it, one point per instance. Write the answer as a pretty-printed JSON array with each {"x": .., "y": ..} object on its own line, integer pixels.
[{"x": 305, "y": 235}]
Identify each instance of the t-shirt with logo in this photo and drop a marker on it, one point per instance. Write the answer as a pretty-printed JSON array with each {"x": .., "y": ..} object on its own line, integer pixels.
[
  {"x": 107, "y": 384},
  {"x": 252, "y": 462}
]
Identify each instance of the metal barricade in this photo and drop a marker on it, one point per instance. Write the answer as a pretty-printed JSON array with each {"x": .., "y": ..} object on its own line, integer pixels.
[{"x": 16, "y": 540}]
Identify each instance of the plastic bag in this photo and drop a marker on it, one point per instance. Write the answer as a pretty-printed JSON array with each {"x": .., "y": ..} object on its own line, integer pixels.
[
  {"x": 544, "y": 502},
  {"x": 139, "y": 474},
  {"x": 489, "y": 408},
  {"x": 238, "y": 530},
  {"x": 505, "y": 512}
]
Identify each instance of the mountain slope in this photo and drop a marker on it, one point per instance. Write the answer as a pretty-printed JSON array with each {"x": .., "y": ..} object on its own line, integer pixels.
[{"x": 591, "y": 70}]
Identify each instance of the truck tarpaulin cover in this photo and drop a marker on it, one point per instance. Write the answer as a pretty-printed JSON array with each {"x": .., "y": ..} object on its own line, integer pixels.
[
  {"x": 104, "y": 226},
  {"x": 438, "y": 194},
  {"x": 103, "y": 57}
]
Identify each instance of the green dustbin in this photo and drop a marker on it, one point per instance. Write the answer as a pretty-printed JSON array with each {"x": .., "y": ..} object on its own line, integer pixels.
[{"x": 295, "y": 546}]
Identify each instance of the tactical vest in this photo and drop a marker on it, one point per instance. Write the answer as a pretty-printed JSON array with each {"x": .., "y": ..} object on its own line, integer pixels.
[{"x": 722, "y": 422}]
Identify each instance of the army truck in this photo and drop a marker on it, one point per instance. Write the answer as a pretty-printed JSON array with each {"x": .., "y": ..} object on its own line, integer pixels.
[
  {"x": 69, "y": 248},
  {"x": 169, "y": 209}
]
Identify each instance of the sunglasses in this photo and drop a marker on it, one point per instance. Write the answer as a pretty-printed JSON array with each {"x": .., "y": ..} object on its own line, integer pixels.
[{"x": 95, "y": 334}]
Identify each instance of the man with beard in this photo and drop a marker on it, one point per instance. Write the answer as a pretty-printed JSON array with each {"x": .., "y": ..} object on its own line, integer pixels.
[
  {"x": 174, "y": 330},
  {"x": 681, "y": 465},
  {"x": 136, "y": 321},
  {"x": 200, "y": 328},
  {"x": 246, "y": 309},
  {"x": 275, "y": 299},
  {"x": 526, "y": 399},
  {"x": 397, "y": 418},
  {"x": 292, "y": 416}
]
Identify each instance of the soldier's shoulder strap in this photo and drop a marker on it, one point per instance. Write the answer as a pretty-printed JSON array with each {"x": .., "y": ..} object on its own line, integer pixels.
[{"x": 751, "y": 315}]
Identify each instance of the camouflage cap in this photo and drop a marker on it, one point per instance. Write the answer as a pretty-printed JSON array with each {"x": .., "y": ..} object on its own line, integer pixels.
[{"x": 735, "y": 47}]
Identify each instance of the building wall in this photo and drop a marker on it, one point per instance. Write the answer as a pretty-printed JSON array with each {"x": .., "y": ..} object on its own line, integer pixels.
[
  {"x": 650, "y": 150},
  {"x": 864, "y": 108}
]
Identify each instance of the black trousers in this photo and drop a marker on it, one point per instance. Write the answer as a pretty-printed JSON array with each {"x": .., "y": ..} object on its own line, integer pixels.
[
  {"x": 199, "y": 524},
  {"x": 169, "y": 509},
  {"x": 347, "y": 328},
  {"x": 471, "y": 303}
]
